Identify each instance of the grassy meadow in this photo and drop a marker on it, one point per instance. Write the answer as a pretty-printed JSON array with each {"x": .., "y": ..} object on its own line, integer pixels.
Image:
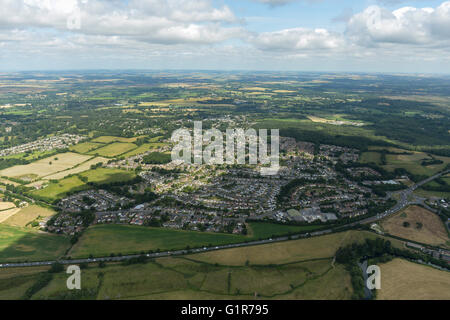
[{"x": 21, "y": 244}]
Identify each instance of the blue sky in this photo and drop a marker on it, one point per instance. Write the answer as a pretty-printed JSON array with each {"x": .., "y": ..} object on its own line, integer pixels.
[{"x": 311, "y": 35}]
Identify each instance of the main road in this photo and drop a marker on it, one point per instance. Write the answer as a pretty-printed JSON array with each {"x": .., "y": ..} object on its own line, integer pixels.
[{"x": 402, "y": 203}]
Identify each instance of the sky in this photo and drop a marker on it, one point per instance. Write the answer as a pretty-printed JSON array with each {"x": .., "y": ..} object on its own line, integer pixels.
[{"x": 387, "y": 36}]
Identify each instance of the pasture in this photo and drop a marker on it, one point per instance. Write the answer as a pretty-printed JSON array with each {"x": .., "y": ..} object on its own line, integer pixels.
[
  {"x": 412, "y": 163},
  {"x": 20, "y": 244},
  {"x": 370, "y": 156},
  {"x": 404, "y": 280},
  {"x": 266, "y": 230},
  {"x": 424, "y": 226},
  {"x": 107, "y": 175},
  {"x": 85, "y": 147},
  {"x": 102, "y": 240},
  {"x": 113, "y": 149},
  {"x": 179, "y": 278},
  {"x": 144, "y": 148},
  {"x": 184, "y": 278},
  {"x": 289, "y": 251},
  {"x": 109, "y": 139},
  {"x": 134, "y": 239},
  {"x": 56, "y": 190}
]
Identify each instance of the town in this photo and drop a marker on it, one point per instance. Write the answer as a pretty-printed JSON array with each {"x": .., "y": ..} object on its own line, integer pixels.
[{"x": 221, "y": 198}]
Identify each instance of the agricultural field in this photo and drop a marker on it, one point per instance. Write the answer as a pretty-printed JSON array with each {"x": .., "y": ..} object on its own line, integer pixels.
[
  {"x": 289, "y": 251},
  {"x": 14, "y": 286},
  {"x": 56, "y": 190},
  {"x": 102, "y": 240},
  {"x": 107, "y": 175},
  {"x": 8, "y": 213},
  {"x": 77, "y": 169},
  {"x": 417, "y": 224},
  {"x": 85, "y": 147},
  {"x": 404, "y": 280},
  {"x": 110, "y": 139},
  {"x": 144, "y": 148},
  {"x": 412, "y": 163},
  {"x": 6, "y": 181},
  {"x": 114, "y": 149},
  {"x": 185, "y": 277},
  {"x": 29, "y": 155},
  {"x": 410, "y": 160},
  {"x": 27, "y": 215},
  {"x": 45, "y": 167},
  {"x": 179, "y": 278},
  {"x": 266, "y": 230},
  {"x": 6, "y": 205},
  {"x": 370, "y": 156},
  {"x": 134, "y": 239},
  {"x": 20, "y": 244}
]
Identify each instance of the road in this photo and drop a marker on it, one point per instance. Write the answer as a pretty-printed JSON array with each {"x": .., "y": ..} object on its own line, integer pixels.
[{"x": 402, "y": 203}]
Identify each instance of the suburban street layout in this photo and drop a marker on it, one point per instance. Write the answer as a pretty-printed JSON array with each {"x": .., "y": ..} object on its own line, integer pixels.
[
  {"x": 206, "y": 151},
  {"x": 398, "y": 207}
]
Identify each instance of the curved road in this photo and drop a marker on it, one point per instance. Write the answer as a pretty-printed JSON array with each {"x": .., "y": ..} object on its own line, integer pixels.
[{"x": 402, "y": 203}]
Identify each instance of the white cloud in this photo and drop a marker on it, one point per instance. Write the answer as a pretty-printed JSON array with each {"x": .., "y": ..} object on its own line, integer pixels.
[
  {"x": 297, "y": 39},
  {"x": 275, "y": 2},
  {"x": 196, "y": 33},
  {"x": 407, "y": 25},
  {"x": 160, "y": 21}
]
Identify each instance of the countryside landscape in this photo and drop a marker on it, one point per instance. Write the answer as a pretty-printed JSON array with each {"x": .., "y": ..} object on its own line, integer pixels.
[{"x": 88, "y": 179}]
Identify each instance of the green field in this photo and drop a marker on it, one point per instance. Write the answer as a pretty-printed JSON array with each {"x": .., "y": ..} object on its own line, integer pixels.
[
  {"x": 113, "y": 149},
  {"x": 426, "y": 193},
  {"x": 15, "y": 282},
  {"x": 143, "y": 148},
  {"x": 180, "y": 278},
  {"x": 370, "y": 156},
  {"x": 187, "y": 278},
  {"x": 107, "y": 175},
  {"x": 266, "y": 230},
  {"x": 20, "y": 244},
  {"x": 102, "y": 240},
  {"x": 85, "y": 147},
  {"x": 134, "y": 239},
  {"x": 56, "y": 190},
  {"x": 298, "y": 269},
  {"x": 109, "y": 139},
  {"x": 29, "y": 155},
  {"x": 412, "y": 163}
]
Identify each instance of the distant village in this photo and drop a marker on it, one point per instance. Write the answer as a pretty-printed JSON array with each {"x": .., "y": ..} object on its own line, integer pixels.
[{"x": 52, "y": 143}]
